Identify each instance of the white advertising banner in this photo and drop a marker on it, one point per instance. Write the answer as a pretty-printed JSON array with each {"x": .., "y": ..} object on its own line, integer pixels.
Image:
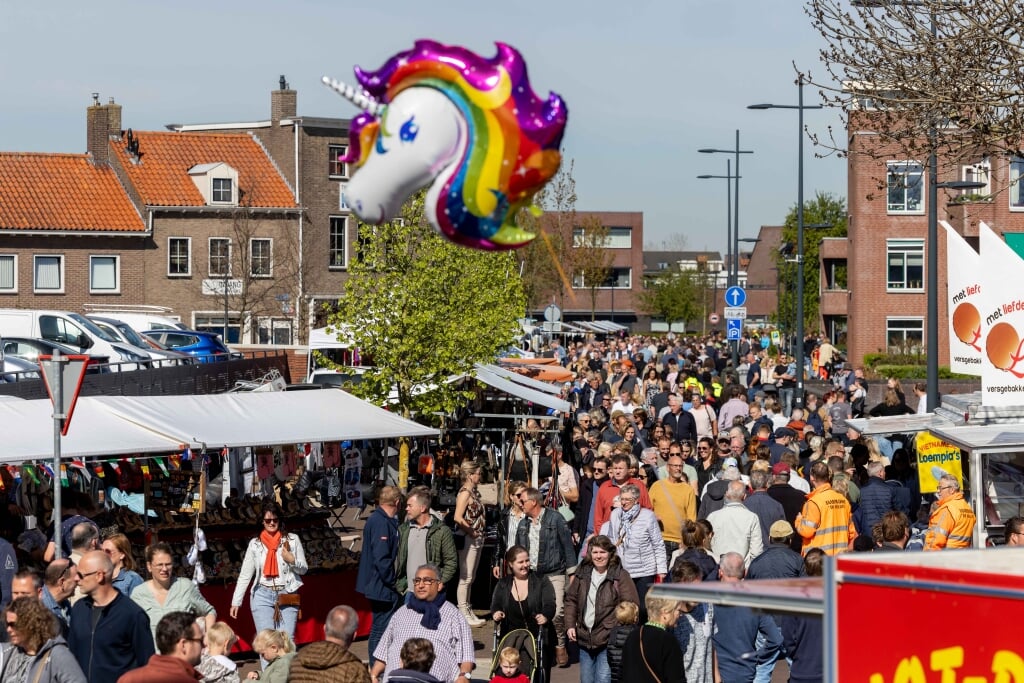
[
  {"x": 964, "y": 302},
  {"x": 1002, "y": 368}
]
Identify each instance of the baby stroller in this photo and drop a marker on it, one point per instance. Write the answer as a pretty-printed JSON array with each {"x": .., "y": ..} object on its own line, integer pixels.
[{"x": 531, "y": 652}]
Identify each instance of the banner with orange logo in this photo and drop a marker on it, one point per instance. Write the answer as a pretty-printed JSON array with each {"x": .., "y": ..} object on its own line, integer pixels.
[
  {"x": 1002, "y": 319},
  {"x": 964, "y": 303}
]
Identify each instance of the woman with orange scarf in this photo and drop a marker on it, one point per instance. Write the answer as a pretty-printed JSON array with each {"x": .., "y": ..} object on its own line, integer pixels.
[{"x": 277, "y": 562}]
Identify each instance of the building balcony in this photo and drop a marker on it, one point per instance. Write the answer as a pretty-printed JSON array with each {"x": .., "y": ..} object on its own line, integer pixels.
[{"x": 834, "y": 301}]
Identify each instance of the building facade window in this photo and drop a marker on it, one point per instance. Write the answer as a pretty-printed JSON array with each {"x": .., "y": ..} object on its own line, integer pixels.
[
  {"x": 48, "y": 274},
  {"x": 619, "y": 237},
  {"x": 904, "y": 335},
  {"x": 980, "y": 172},
  {"x": 905, "y": 185},
  {"x": 342, "y": 198},
  {"x": 222, "y": 191},
  {"x": 8, "y": 273},
  {"x": 1016, "y": 189},
  {"x": 275, "y": 331},
  {"x": 104, "y": 274},
  {"x": 214, "y": 322},
  {"x": 618, "y": 278},
  {"x": 336, "y": 168},
  {"x": 220, "y": 257},
  {"x": 337, "y": 252},
  {"x": 261, "y": 257},
  {"x": 179, "y": 256},
  {"x": 904, "y": 265}
]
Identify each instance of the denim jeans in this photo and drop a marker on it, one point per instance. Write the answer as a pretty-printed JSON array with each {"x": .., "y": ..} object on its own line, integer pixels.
[
  {"x": 786, "y": 400},
  {"x": 382, "y": 611},
  {"x": 594, "y": 666},
  {"x": 765, "y": 670},
  {"x": 262, "y": 606}
]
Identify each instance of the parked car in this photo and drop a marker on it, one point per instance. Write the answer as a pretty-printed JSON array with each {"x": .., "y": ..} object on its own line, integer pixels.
[
  {"x": 139, "y": 317},
  {"x": 336, "y": 379},
  {"x": 30, "y": 350},
  {"x": 16, "y": 369},
  {"x": 72, "y": 329},
  {"x": 206, "y": 346},
  {"x": 124, "y": 332}
]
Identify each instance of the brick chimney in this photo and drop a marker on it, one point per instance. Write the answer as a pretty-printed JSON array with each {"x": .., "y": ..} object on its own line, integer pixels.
[
  {"x": 283, "y": 103},
  {"x": 113, "y": 118},
  {"x": 97, "y": 130}
]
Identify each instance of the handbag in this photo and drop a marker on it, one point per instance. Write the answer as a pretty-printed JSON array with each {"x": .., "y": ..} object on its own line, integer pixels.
[
  {"x": 287, "y": 600},
  {"x": 644, "y": 657}
]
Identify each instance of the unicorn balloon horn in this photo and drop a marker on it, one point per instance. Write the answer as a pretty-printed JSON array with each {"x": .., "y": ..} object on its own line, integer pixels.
[{"x": 361, "y": 100}]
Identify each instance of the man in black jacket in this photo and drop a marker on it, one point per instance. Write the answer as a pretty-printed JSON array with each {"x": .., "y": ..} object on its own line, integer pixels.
[
  {"x": 779, "y": 560},
  {"x": 792, "y": 500},
  {"x": 679, "y": 423},
  {"x": 552, "y": 555}
]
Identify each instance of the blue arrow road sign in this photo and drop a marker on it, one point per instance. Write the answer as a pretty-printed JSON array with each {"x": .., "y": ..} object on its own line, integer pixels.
[
  {"x": 733, "y": 329},
  {"x": 735, "y": 296}
]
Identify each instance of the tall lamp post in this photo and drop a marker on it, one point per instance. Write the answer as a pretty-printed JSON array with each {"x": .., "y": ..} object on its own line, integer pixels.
[
  {"x": 734, "y": 247},
  {"x": 728, "y": 209},
  {"x": 800, "y": 107}
]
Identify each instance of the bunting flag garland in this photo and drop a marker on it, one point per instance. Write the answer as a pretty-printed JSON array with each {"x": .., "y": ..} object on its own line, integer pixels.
[
  {"x": 186, "y": 454},
  {"x": 30, "y": 471},
  {"x": 175, "y": 461},
  {"x": 47, "y": 470},
  {"x": 63, "y": 475},
  {"x": 145, "y": 472},
  {"x": 160, "y": 464},
  {"x": 15, "y": 472},
  {"x": 98, "y": 469},
  {"x": 224, "y": 453},
  {"x": 115, "y": 465}
]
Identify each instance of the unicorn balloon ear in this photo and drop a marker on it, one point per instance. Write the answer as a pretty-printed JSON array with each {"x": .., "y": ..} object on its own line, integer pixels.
[{"x": 361, "y": 100}]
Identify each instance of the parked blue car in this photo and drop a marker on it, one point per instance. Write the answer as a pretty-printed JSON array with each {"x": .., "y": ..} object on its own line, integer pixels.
[{"x": 206, "y": 346}]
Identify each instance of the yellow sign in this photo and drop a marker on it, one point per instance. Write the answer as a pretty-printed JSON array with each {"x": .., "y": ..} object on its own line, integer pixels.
[
  {"x": 934, "y": 452},
  {"x": 776, "y": 337}
]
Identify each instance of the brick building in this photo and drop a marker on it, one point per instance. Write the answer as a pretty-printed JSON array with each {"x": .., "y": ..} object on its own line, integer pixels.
[
  {"x": 196, "y": 223},
  {"x": 873, "y": 282}
]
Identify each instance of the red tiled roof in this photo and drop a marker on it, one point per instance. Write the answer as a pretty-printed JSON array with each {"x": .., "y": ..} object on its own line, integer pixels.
[
  {"x": 161, "y": 174},
  {"x": 62, "y": 192}
]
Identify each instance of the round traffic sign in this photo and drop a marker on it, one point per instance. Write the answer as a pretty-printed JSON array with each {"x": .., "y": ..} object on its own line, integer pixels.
[{"x": 713, "y": 318}]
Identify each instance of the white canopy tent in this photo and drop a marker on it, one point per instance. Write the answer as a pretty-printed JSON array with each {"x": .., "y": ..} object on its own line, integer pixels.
[
  {"x": 109, "y": 425},
  {"x": 514, "y": 376},
  {"x": 498, "y": 381}
]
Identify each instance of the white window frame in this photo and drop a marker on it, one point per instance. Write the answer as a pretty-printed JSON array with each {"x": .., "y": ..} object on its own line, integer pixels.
[
  {"x": 209, "y": 258},
  {"x": 206, "y": 319},
  {"x": 213, "y": 190},
  {"x": 270, "y": 258},
  {"x": 188, "y": 256},
  {"x": 906, "y": 248},
  {"x": 344, "y": 241},
  {"x": 117, "y": 274},
  {"x": 579, "y": 281},
  {"x": 14, "y": 264},
  {"x": 332, "y": 163},
  {"x": 271, "y": 323},
  {"x": 342, "y": 199},
  {"x": 892, "y": 168},
  {"x": 1016, "y": 183},
  {"x": 980, "y": 172},
  {"x": 619, "y": 241},
  {"x": 35, "y": 266},
  {"x": 906, "y": 318}
]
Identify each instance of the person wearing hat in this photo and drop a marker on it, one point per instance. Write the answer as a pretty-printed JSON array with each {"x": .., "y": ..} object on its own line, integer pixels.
[
  {"x": 783, "y": 438},
  {"x": 791, "y": 499},
  {"x": 779, "y": 560}
]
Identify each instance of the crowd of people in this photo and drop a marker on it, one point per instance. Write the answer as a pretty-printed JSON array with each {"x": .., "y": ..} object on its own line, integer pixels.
[{"x": 673, "y": 466}]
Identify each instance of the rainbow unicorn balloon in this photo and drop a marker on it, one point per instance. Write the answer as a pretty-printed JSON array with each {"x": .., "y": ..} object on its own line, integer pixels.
[{"x": 471, "y": 128}]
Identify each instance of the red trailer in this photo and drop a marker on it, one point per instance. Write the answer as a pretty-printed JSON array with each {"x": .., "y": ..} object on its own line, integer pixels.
[{"x": 918, "y": 617}]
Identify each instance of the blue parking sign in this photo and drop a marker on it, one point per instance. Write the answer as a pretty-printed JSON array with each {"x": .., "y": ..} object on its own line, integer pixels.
[{"x": 733, "y": 329}]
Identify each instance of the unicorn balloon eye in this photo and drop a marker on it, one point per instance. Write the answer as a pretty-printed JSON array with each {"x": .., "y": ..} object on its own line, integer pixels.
[
  {"x": 472, "y": 129},
  {"x": 409, "y": 130}
]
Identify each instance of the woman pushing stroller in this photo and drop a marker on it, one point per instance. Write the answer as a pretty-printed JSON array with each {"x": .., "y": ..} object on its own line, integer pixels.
[{"x": 522, "y": 608}]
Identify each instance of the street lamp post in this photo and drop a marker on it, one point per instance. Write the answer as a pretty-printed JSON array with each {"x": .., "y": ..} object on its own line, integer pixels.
[
  {"x": 736, "y": 202},
  {"x": 800, "y": 106},
  {"x": 728, "y": 210}
]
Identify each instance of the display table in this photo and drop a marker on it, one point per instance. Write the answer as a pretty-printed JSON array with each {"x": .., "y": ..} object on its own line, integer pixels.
[{"x": 320, "y": 593}]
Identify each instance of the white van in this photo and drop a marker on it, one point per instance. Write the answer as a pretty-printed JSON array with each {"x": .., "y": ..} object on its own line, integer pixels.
[
  {"x": 140, "y": 318},
  {"x": 72, "y": 329}
]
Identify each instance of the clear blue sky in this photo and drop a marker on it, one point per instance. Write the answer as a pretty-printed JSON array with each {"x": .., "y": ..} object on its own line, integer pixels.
[{"x": 647, "y": 82}]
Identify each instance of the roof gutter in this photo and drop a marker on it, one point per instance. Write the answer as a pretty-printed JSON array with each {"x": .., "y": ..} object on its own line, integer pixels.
[{"x": 220, "y": 209}]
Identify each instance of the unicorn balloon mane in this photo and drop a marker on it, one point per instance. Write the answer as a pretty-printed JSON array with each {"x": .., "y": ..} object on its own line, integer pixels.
[{"x": 471, "y": 128}]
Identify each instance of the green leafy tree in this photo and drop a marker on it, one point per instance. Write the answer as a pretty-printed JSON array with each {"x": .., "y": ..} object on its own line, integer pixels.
[
  {"x": 674, "y": 296},
  {"x": 824, "y": 209},
  {"x": 425, "y": 309}
]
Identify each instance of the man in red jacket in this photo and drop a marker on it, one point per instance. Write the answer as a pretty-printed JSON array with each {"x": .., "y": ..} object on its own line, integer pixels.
[{"x": 181, "y": 647}]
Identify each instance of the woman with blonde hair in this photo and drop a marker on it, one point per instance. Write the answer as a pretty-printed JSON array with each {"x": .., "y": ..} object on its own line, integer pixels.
[
  {"x": 277, "y": 650},
  {"x": 119, "y": 549},
  {"x": 469, "y": 524},
  {"x": 508, "y": 524}
]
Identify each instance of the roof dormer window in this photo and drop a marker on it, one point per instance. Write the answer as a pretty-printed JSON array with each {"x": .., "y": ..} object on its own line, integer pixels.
[{"x": 217, "y": 182}]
